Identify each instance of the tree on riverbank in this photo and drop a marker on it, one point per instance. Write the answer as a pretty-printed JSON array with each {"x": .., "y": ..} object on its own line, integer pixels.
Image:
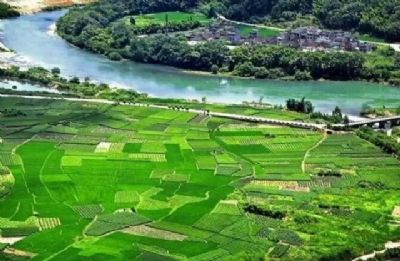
[
  {"x": 73, "y": 86},
  {"x": 300, "y": 105}
]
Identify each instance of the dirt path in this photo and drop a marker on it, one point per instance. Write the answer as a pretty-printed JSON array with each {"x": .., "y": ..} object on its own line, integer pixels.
[
  {"x": 303, "y": 163},
  {"x": 395, "y": 46},
  {"x": 10, "y": 240}
]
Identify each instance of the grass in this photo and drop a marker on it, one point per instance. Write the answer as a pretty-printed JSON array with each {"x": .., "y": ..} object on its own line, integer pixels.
[
  {"x": 173, "y": 17},
  {"x": 379, "y": 58},
  {"x": 245, "y": 31},
  {"x": 370, "y": 38},
  {"x": 78, "y": 189}
]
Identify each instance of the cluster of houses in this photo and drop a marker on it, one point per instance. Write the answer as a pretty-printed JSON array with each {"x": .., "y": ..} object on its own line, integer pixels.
[
  {"x": 306, "y": 38},
  {"x": 312, "y": 38},
  {"x": 231, "y": 33}
]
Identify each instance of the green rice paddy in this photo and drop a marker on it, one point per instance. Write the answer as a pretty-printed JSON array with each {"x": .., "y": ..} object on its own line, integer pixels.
[
  {"x": 172, "y": 17},
  {"x": 114, "y": 182},
  {"x": 245, "y": 31}
]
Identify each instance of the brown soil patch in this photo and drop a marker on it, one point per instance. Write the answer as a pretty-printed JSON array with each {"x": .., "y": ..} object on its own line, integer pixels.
[
  {"x": 144, "y": 230},
  {"x": 282, "y": 185},
  {"x": 396, "y": 211},
  {"x": 16, "y": 252},
  {"x": 64, "y": 2}
]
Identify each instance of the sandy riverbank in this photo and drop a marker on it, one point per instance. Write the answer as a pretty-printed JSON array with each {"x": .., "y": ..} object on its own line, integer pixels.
[
  {"x": 26, "y": 6},
  {"x": 32, "y": 6},
  {"x": 8, "y": 59},
  {"x": 52, "y": 30}
]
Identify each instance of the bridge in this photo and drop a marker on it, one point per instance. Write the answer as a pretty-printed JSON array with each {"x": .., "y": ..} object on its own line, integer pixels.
[
  {"x": 240, "y": 117},
  {"x": 394, "y": 120}
]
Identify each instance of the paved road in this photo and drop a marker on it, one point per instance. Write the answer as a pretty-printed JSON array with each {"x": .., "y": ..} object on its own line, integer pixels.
[
  {"x": 232, "y": 116},
  {"x": 247, "y": 24},
  {"x": 395, "y": 46},
  {"x": 215, "y": 114}
]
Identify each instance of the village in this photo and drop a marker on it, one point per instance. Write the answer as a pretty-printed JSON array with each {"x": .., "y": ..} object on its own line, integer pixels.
[{"x": 306, "y": 38}]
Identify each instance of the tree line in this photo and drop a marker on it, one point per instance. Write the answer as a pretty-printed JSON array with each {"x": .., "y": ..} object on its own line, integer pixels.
[{"x": 305, "y": 106}]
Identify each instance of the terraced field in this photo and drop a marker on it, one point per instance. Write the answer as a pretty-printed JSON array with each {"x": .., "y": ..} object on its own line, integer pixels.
[{"x": 112, "y": 182}]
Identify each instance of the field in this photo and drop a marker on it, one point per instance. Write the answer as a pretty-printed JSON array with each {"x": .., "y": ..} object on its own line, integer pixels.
[
  {"x": 173, "y": 17},
  {"x": 263, "y": 32},
  {"x": 113, "y": 182}
]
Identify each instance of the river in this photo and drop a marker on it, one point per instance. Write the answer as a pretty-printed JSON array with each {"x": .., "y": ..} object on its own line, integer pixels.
[{"x": 29, "y": 36}]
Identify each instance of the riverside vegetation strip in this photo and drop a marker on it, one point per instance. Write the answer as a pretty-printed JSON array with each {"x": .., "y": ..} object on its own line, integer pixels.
[{"x": 111, "y": 182}]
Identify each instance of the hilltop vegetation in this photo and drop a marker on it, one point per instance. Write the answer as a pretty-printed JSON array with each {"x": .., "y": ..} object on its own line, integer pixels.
[{"x": 115, "y": 182}]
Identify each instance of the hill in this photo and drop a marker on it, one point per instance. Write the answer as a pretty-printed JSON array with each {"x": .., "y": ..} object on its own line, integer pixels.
[{"x": 380, "y": 18}]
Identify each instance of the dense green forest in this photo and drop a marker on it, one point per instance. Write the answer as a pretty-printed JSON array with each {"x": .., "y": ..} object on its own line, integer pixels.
[
  {"x": 99, "y": 28},
  {"x": 7, "y": 11},
  {"x": 376, "y": 17}
]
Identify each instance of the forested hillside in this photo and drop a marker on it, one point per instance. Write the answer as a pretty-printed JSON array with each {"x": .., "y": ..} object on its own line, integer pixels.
[{"x": 377, "y": 17}]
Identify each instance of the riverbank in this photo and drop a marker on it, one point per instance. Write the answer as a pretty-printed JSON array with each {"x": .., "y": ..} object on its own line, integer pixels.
[
  {"x": 10, "y": 58},
  {"x": 34, "y": 6},
  {"x": 15, "y": 60}
]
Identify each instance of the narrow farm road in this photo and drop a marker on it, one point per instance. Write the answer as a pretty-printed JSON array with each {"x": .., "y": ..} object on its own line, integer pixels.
[
  {"x": 303, "y": 163},
  {"x": 223, "y": 18},
  {"x": 239, "y": 117}
]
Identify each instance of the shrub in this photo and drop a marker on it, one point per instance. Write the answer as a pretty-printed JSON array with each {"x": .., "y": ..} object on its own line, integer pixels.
[
  {"x": 264, "y": 212},
  {"x": 261, "y": 73},
  {"x": 214, "y": 69},
  {"x": 115, "y": 56},
  {"x": 302, "y": 76}
]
